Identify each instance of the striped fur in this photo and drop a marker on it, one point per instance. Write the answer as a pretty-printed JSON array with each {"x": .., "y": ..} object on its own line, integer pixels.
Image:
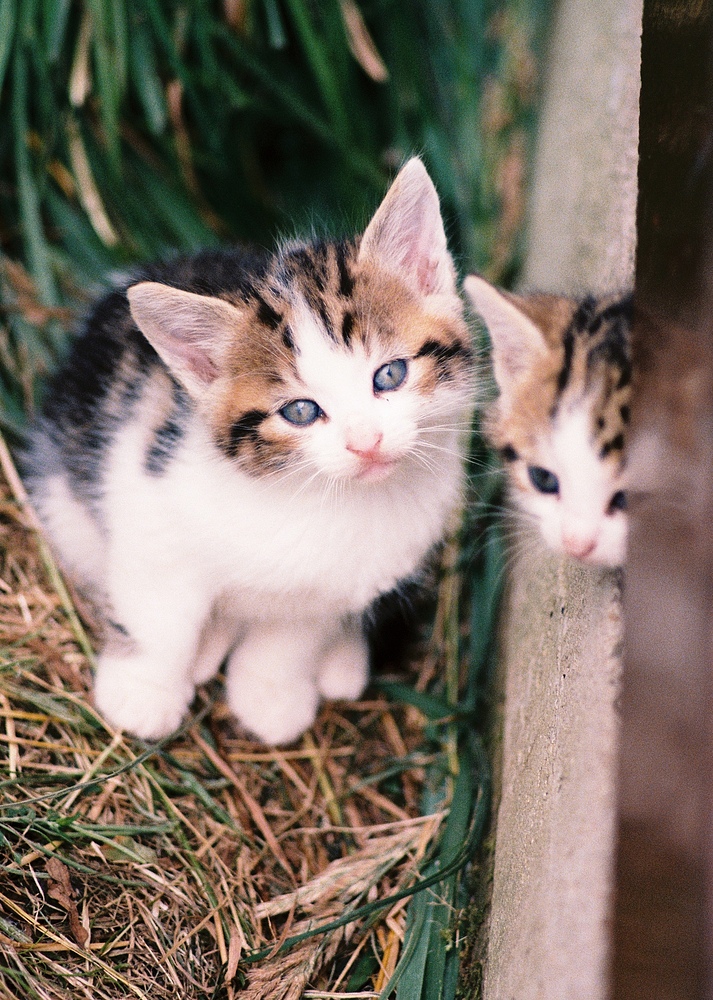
[{"x": 563, "y": 371}]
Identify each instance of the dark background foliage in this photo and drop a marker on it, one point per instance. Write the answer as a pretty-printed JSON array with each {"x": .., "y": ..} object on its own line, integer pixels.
[{"x": 130, "y": 129}]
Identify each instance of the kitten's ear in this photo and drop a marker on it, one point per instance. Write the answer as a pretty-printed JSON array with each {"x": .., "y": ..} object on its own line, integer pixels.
[
  {"x": 517, "y": 342},
  {"x": 187, "y": 331},
  {"x": 406, "y": 234}
]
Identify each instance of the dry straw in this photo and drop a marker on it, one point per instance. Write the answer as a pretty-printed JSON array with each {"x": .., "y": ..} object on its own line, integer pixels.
[{"x": 202, "y": 865}]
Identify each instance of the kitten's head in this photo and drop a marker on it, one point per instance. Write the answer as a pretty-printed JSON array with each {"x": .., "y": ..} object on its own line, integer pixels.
[
  {"x": 343, "y": 357},
  {"x": 563, "y": 371}
]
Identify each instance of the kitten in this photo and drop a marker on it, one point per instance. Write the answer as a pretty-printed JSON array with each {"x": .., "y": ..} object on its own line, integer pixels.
[
  {"x": 563, "y": 371},
  {"x": 244, "y": 451}
]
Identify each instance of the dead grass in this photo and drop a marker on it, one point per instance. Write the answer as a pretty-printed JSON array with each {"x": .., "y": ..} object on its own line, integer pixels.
[{"x": 161, "y": 870}]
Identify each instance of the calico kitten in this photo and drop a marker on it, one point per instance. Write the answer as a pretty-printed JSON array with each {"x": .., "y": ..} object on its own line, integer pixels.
[
  {"x": 244, "y": 451},
  {"x": 563, "y": 371}
]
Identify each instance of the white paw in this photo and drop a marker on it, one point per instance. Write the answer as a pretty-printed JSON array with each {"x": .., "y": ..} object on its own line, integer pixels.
[
  {"x": 133, "y": 695},
  {"x": 344, "y": 672},
  {"x": 275, "y": 714}
]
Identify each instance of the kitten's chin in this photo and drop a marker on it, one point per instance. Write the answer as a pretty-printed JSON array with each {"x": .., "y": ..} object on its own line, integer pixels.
[
  {"x": 612, "y": 559},
  {"x": 376, "y": 471}
]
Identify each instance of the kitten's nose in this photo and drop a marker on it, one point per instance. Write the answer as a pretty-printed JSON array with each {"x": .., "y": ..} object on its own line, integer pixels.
[
  {"x": 578, "y": 546},
  {"x": 364, "y": 443}
]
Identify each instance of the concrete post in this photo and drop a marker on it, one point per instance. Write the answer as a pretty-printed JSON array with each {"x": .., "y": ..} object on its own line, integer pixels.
[{"x": 562, "y": 634}]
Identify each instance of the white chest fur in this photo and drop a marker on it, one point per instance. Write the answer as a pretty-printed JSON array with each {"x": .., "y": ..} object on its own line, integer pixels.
[{"x": 287, "y": 544}]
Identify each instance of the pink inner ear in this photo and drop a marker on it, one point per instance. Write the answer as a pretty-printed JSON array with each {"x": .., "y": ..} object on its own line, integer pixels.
[
  {"x": 198, "y": 361},
  {"x": 407, "y": 233},
  {"x": 189, "y": 331},
  {"x": 426, "y": 274},
  {"x": 412, "y": 254}
]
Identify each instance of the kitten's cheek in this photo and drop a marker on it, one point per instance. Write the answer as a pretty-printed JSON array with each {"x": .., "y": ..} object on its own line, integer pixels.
[{"x": 616, "y": 555}]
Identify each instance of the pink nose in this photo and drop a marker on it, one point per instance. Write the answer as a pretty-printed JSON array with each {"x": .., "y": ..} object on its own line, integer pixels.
[
  {"x": 578, "y": 547},
  {"x": 365, "y": 445}
]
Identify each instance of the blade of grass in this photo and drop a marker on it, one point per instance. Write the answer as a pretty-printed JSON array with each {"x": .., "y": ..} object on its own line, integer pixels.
[
  {"x": 277, "y": 35},
  {"x": 8, "y": 21},
  {"x": 145, "y": 78},
  {"x": 432, "y": 707},
  {"x": 119, "y": 34},
  {"x": 318, "y": 57},
  {"x": 354, "y": 160},
  {"x": 409, "y": 974},
  {"x": 107, "y": 75},
  {"x": 28, "y": 195},
  {"x": 87, "y": 255},
  {"x": 55, "y": 14}
]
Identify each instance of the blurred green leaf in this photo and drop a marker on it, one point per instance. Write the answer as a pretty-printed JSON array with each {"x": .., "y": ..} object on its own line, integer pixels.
[
  {"x": 55, "y": 14},
  {"x": 145, "y": 78},
  {"x": 8, "y": 22},
  {"x": 28, "y": 194}
]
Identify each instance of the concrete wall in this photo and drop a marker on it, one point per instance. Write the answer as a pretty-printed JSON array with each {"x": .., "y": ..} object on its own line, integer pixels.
[{"x": 562, "y": 631}]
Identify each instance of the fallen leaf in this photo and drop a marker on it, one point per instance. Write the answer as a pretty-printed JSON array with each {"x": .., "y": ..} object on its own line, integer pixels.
[{"x": 60, "y": 889}]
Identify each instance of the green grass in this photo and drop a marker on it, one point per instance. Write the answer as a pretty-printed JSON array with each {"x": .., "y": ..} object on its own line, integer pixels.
[{"x": 133, "y": 128}]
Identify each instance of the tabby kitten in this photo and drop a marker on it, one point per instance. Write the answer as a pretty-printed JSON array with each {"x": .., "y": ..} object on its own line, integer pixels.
[
  {"x": 563, "y": 371},
  {"x": 245, "y": 450}
]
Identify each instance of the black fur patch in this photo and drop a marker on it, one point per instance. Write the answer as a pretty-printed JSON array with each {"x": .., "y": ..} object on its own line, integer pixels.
[
  {"x": 244, "y": 429},
  {"x": 346, "y": 281},
  {"x": 586, "y": 318},
  {"x": 568, "y": 344},
  {"x": 268, "y": 316},
  {"x": 508, "y": 453},
  {"x": 288, "y": 340},
  {"x": 118, "y": 627},
  {"x": 347, "y": 327},
  {"x": 169, "y": 435},
  {"x": 616, "y": 444},
  {"x": 321, "y": 306}
]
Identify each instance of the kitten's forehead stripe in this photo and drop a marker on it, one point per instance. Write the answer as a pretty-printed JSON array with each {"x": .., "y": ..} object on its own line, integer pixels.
[
  {"x": 563, "y": 377},
  {"x": 347, "y": 327},
  {"x": 346, "y": 280},
  {"x": 596, "y": 335},
  {"x": 288, "y": 340},
  {"x": 268, "y": 316}
]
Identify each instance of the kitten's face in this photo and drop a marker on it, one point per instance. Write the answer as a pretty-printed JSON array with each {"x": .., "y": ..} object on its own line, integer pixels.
[
  {"x": 345, "y": 358},
  {"x": 563, "y": 370},
  {"x": 356, "y": 411}
]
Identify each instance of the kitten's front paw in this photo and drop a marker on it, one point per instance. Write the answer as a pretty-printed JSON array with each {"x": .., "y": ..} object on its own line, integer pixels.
[
  {"x": 344, "y": 672},
  {"x": 276, "y": 710},
  {"x": 126, "y": 695}
]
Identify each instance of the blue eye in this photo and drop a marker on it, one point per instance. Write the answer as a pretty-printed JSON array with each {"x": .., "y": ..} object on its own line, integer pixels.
[
  {"x": 301, "y": 412},
  {"x": 390, "y": 376},
  {"x": 543, "y": 480}
]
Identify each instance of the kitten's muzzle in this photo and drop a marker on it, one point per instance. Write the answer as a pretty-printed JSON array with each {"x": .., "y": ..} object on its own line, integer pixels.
[
  {"x": 579, "y": 546},
  {"x": 373, "y": 463},
  {"x": 365, "y": 444}
]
